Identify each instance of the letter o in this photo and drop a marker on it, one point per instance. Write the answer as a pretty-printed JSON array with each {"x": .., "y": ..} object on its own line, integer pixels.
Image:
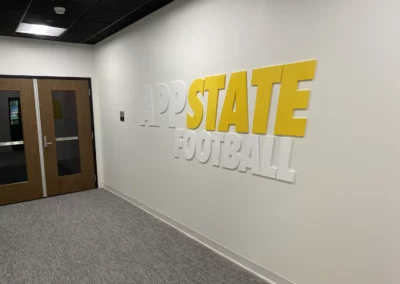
[
  {"x": 203, "y": 145},
  {"x": 189, "y": 144}
]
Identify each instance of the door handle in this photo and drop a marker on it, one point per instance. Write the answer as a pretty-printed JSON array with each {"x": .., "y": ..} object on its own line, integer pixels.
[{"x": 45, "y": 143}]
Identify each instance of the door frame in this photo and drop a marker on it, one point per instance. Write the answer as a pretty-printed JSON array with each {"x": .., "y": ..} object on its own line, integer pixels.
[{"x": 91, "y": 107}]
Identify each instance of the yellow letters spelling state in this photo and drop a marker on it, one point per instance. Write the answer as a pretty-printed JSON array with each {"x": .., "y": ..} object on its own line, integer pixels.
[
  {"x": 213, "y": 85},
  {"x": 264, "y": 78},
  {"x": 195, "y": 103},
  {"x": 291, "y": 99},
  {"x": 235, "y": 110}
]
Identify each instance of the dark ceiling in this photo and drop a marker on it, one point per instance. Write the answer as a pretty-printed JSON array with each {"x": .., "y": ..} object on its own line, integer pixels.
[{"x": 86, "y": 21}]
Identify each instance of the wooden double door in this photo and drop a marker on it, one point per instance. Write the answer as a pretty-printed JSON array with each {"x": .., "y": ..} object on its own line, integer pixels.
[{"x": 46, "y": 138}]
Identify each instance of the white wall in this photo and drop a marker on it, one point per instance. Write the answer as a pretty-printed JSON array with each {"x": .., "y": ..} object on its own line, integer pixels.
[
  {"x": 340, "y": 223},
  {"x": 45, "y": 58}
]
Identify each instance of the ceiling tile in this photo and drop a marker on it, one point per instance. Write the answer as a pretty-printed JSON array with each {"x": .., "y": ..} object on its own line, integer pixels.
[
  {"x": 74, "y": 10},
  {"x": 10, "y": 17},
  {"x": 129, "y": 19},
  {"x": 123, "y": 5},
  {"x": 8, "y": 30},
  {"x": 85, "y": 25},
  {"x": 53, "y": 20},
  {"x": 88, "y": 2},
  {"x": 9, "y": 20},
  {"x": 104, "y": 15},
  {"x": 89, "y": 23},
  {"x": 73, "y": 37},
  {"x": 14, "y": 4},
  {"x": 83, "y": 30}
]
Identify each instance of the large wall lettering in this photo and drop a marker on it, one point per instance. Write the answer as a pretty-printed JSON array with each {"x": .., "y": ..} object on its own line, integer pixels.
[{"x": 253, "y": 149}]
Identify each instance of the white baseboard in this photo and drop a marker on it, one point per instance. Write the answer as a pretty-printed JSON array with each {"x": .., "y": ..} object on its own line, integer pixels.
[{"x": 268, "y": 275}]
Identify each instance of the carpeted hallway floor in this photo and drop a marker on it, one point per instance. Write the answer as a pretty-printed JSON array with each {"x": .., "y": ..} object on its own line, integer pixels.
[{"x": 96, "y": 237}]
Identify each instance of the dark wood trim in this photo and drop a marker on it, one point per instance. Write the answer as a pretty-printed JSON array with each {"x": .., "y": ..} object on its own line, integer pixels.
[
  {"x": 43, "y": 77},
  {"x": 91, "y": 106},
  {"x": 32, "y": 188},
  {"x": 84, "y": 179}
]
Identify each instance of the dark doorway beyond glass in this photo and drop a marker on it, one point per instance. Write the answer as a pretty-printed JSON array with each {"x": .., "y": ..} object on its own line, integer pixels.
[
  {"x": 12, "y": 150},
  {"x": 66, "y": 131}
]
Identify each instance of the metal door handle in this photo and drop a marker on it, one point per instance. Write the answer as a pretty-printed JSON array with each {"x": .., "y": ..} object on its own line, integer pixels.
[{"x": 45, "y": 143}]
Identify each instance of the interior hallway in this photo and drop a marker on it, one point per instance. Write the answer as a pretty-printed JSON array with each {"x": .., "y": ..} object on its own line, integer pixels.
[{"x": 96, "y": 237}]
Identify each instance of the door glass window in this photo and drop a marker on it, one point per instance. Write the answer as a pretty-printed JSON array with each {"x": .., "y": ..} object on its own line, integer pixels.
[
  {"x": 12, "y": 150},
  {"x": 66, "y": 132}
]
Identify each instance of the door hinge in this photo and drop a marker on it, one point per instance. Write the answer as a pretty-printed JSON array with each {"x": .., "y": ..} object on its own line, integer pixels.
[
  {"x": 90, "y": 93},
  {"x": 95, "y": 178}
]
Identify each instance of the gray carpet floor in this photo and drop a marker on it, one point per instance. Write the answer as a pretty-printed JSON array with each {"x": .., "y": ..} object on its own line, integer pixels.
[{"x": 96, "y": 237}]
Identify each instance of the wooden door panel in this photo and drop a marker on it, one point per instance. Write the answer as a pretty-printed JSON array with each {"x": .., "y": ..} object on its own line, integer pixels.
[
  {"x": 32, "y": 187},
  {"x": 52, "y": 111}
]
